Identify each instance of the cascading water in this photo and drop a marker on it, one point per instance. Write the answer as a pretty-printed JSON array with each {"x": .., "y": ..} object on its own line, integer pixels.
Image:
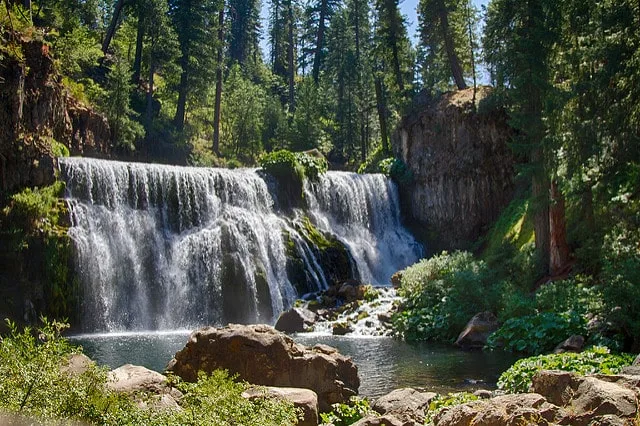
[{"x": 166, "y": 247}]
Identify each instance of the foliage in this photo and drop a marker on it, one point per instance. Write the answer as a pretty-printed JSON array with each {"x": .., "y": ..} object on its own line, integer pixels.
[
  {"x": 535, "y": 334},
  {"x": 313, "y": 165},
  {"x": 372, "y": 163},
  {"x": 346, "y": 414},
  {"x": 33, "y": 383},
  {"x": 449, "y": 400},
  {"x": 441, "y": 294},
  {"x": 36, "y": 210},
  {"x": 593, "y": 360},
  {"x": 78, "y": 51},
  {"x": 293, "y": 165}
]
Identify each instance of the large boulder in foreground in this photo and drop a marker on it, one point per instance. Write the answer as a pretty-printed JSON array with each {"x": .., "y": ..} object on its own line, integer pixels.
[
  {"x": 406, "y": 404},
  {"x": 477, "y": 331},
  {"x": 263, "y": 356},
  {"x": 148, "y": 388}
]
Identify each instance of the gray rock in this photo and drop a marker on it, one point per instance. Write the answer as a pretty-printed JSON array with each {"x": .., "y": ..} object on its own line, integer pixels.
[
  {"x": 263, "y": 356},
  {"x": 305, "y": 399},
  {"x": 574, "y": 343},
  {"x": 483, "y": 393},
  {"x": 77, "y": 364},
  {"x": 477, "y": 331},
  {"x": 406, "y": 404},
  {"x": 295, "y": 320},
  {"x": 385, "y": 420},
  {"x": 149, "y": 388}
]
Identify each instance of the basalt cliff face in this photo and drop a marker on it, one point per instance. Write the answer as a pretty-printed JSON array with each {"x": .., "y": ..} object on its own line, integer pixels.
[
  {"x": 462, "y": 168},
  {"x": 35, "y": 108}
]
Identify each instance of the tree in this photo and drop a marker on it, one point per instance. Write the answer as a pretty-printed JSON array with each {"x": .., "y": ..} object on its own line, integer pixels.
[
  {"x": 244, "y": 29},
  {"x": 392, "y": 44}
]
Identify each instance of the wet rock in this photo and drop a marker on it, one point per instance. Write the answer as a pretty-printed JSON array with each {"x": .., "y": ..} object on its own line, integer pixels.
[
  {"x": 574, "y": 343},
  {"x": 341, "y": 328},
  {"x": 295, "y": 320},
  {"x": 263, "y": 356},
  {"x": 406, "y": 404},
  {"x": 149, "y": 388},
  {"x": 477, "y": 331},
  {"x": 351, "y": 290},
  {"x": 385, "y": 317},
  {"x": 396, "y": 279},
  {"x": 304, "y": 399},
  {"x": 386, "y": 420}
]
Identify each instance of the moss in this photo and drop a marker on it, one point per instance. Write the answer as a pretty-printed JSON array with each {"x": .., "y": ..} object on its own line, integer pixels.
[{"x": 514, "y": 227}]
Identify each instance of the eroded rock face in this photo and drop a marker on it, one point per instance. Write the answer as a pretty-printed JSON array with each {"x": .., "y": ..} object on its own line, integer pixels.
[
  {"x": 477, "y": 331},
  {"x": 462, "y": 169},
  {"x": 263, "y": 356},
  {"x": 34, "y": 108}
]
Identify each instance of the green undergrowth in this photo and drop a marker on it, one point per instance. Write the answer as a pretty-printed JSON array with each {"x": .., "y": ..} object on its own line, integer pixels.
[
  {"x": 347, "y": 414},
  {"x": 33, "y": 384},
  {"x": 441, "y": 402},
  {"x": 518, "y": 378},
  {"x": 380, "y": 162}
]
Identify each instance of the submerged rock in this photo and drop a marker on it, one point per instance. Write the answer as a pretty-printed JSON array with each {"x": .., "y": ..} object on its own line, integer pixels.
[
  {"x": 477, "y": 331},
  {"x": 304, "y": 399},
  {"x": 263, "y": 356}
]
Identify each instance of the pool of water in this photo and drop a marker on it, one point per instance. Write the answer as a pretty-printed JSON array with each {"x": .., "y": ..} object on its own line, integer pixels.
[{"x": 383, "y": 363}]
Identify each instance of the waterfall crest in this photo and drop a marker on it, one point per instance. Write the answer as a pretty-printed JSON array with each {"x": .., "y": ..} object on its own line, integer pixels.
[{"x": 166, "y": 247}]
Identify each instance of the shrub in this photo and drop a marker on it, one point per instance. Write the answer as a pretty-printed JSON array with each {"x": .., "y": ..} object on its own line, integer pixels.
[
  {"x": 535, "y": 334},
  {"x": 594, "y": 360},
  {"x": 313, "y": 166},
  {"x": 442, "y": 401},
  {"x": 293, "y": 166},
  {"x": 346, "y": 414},
  {"x": 441, "y": 294},
  {"x": 36, "y": 210}
]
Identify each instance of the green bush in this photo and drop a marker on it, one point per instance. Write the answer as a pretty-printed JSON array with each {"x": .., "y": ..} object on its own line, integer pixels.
[
  {"x": 441, "y": 294},
  {"x": 395, "y": 168},
  {"x": 594, "y": 360},
  {"x": 535, "y": 334},
  {"x": 449, "y": 400},
  {"x": 313, "y": 166},
  {"x": 346, "y": 414},
  {"x": 293, "y": 166},
  {"x": 33, "y": 384},
  {"x": 36, "y": 210}
]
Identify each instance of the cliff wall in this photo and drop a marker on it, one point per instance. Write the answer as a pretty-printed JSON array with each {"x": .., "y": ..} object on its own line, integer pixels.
[{"x": 462, "y": 169}]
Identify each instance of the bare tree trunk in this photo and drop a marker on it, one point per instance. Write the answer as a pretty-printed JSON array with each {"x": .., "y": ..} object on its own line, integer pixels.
[
  {"x": 111, "y": 30},
  {"x": 137, "y": 59},
  {"x": 382, "y": 114},
  {"x": 558, "y": 247},
  {"x": 449, "y": 45},
  {"x": 181, "y": 107},
  {"x": 218, "y": 101}
]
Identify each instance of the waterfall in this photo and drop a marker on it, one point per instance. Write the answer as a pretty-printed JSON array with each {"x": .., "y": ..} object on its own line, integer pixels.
[{"x": 166, "y": 247}]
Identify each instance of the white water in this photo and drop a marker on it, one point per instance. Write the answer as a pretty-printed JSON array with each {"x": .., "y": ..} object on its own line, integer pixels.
[{"x": 165, "y": 247}]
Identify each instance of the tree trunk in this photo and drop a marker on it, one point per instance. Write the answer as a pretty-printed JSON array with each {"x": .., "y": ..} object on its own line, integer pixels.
[
  {"x": 449, "y": 45},
  {"x": 218, "y": 101},
  {"x": 290, "y": 60},
  {"x": 111, "y": 30},
  {"x": 181, "y": 107},
  {"x": 149, "y": 110},
  {"x": 558, "y": 247},
  {"x": 137, "y": 60},
  {"x": 317, "y": 59},
  {"x": 540, "y": 192},
  {"x": 382, "y": 114}
]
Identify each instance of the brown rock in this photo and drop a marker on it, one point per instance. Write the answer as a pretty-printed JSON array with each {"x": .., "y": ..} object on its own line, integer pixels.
[
  {"x": 295, "y": 320},
  {"x": 406, "y": 404},
  {"x": 77, "y": 364},
  {"x": 596, "y": 397},
  {"x": 386, "y": 420},
  {"x": 351, "y": 291},
  {"x": 263, "y": 356},
  {"x": 477, "y": 331},
  {"x": 305, "y": 399},
  {"x": 574, "y": 343},
  {"x": 341, "y": 328},
  {"x": 558, "y": 387},
  {"x": 149, "y": 388}
]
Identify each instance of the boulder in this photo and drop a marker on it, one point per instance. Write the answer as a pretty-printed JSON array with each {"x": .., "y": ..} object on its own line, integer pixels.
[
  {"x": 149, "y": 387},
  {"x": 386, "y": 420},
  {"x": 295, "y": 320},
  {"x": 304, "y": 399},
  {"x": 406, "y": 404},
  {"x": 341, "y": 328},
  {"x": 477, "y": 331},
  {"x": 574, "y": 343},
  {"x": 351, "y": 290},
  {"x": 263, "y": 356},
  {"x": 518, "y": 409},
  {"x": 77, "y": 364}
]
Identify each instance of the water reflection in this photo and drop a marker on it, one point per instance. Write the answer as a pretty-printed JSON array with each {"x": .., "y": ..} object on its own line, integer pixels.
[{"x": 384, "y": 364}]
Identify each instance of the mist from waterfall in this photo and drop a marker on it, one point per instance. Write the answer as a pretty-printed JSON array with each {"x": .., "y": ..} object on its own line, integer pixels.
[{"x": 166, "y": 247}]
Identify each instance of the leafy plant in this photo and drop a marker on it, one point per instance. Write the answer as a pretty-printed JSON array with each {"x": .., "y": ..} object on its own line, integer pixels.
[
  {"x": 594, "y": 360},
  {"x": 535, "y": 334},
  {"x": 442, "y": 401},
  {"x": 346, "y": 414}
]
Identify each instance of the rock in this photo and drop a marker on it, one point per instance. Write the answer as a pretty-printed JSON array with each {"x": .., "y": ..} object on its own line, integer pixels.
[
  {"x": 483, "y": 393},
  {"x": 149, "y": 388},
  {"x": 385, "y": 317},
  {"x": 631, "y": 370},
  {"x": 341, "y": 328},
  {"x": 305, "y": 399},
  {"x": 396, "y": 279},
  {"x": 572, "y": 344},
  {"x": 477, "y": 331},
  {"x": 351, "y": 290},
  {"x": 518, "y": 409},
  {"x": 462, "y": 168},
  {"x": 558, "y": 387},
  {"x": 263, "y": 356},
  {"x": 295, "y": 320},
  {"x": 386, "y": 420},
  {"x": 636, "y": 361},
  {"x": 406, "y": 404},
  {"x": 77, "y": 364},
  {"x": 596, "y": 397}
]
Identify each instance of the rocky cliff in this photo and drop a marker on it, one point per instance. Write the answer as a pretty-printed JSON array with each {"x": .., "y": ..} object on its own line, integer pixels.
[
  {"x": 462, "y": 168},
  {"x": 35, "y": 108}
]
